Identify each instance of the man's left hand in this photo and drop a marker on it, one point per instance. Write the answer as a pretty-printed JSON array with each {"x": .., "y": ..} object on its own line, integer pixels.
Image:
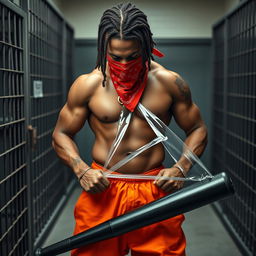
[{"x": 169, "y": 186}]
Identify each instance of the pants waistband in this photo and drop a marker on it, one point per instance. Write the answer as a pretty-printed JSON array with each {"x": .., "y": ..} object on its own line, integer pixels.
[{"x": 150, "y": 172}]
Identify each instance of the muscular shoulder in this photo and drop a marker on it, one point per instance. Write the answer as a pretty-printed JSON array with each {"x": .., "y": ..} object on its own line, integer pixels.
[
  {"x": 173, "y": 82},
  {"x": 83, "y": 88}
]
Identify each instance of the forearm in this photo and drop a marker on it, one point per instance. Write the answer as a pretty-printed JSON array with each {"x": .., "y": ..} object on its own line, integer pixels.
[
  {"x": 196, "y": 141},
  {"x": 68, "y": 152}
]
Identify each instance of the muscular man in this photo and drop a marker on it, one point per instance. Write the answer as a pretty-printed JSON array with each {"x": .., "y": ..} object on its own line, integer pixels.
[{"x": 125, "y": 38}]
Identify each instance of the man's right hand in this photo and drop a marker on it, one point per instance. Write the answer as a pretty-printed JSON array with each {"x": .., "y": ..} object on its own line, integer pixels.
[{"x": 94, "y": 181}]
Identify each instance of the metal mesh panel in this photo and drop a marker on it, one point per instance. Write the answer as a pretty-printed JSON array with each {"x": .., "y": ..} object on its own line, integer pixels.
[
  {"x": 69, "y": 55},
  {"x": 68, "y": 73},
  {"x": 45, "y": 38},
  {"x": 240, "y": 126},
  {"x": 35, "y": 50},
  {"x": 13, "y": 172},
  {"x": 218, "y": 100}
]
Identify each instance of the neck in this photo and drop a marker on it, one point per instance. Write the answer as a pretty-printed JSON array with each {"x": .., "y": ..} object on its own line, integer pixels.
[{"x": 107, "y": 70}]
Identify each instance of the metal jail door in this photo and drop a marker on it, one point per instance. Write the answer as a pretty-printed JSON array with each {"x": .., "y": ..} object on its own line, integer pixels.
[
  {"x": 35, "y": 68},
  {"x": 14, "y": 187}
]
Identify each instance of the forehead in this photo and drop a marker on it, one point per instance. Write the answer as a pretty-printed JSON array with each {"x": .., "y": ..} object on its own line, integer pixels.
[{"x": 123, "y": 45}]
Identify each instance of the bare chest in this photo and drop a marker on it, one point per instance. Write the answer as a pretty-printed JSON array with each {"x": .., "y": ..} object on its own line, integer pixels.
[{"x": 105, "y": 107}]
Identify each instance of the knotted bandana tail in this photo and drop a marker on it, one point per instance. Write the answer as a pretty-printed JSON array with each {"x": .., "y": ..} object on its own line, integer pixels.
[{"x": 157, "y": 53}]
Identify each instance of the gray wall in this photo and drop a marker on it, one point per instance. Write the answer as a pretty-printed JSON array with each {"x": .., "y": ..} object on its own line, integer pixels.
[
  {"x": 191, "y": 58},
  {"x": 167, "y": 18}
]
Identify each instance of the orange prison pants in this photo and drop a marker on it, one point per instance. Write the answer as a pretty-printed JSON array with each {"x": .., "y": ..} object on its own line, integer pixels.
[{"x": 162, "y": 238}]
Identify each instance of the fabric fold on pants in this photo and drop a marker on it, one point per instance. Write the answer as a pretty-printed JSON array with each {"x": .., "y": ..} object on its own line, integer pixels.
[{"x": 122, "y": 196}]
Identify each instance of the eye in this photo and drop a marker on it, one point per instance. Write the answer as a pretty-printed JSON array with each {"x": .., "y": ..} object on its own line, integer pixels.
[
  {"x": 116, "y": 58},
  {"x": 133, "y": 57}
]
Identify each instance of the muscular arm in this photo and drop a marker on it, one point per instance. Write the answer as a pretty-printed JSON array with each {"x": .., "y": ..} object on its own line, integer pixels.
[
  {"x": 187, "y": 115},
  {"x": 71, "y": 119}
]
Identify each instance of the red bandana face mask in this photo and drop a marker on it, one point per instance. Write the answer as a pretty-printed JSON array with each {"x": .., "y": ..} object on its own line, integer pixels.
[{"x": 129, "y": 79}]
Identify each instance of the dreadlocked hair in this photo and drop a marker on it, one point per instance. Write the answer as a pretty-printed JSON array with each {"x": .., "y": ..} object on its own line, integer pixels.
[{"x": 124, "y": 21}]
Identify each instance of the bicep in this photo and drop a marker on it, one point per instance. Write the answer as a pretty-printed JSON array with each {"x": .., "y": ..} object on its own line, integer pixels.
[
  {"x": 187, "y": 116},
  {"x": 75, "y": 112},
  {"x": 71, "y": 119},
  {"x": 185, "y": 112}
]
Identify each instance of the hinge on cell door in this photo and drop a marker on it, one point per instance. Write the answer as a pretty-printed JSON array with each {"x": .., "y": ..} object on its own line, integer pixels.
[{"x": 33, "y": 136}]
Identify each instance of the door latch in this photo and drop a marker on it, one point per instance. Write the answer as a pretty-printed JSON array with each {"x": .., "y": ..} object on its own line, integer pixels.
[{"x": 33, "y": 137}]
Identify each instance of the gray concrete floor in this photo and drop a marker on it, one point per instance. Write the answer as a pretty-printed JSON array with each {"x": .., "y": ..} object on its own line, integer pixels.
[{"x": 205, "y": 234}]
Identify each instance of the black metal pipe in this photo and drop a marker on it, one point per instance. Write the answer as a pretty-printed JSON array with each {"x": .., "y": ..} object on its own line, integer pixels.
[{"x": 187, "y": 199}]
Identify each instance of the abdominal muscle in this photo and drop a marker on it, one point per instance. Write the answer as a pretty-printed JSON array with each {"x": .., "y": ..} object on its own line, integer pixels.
[{"x": 137, "y": 135}]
